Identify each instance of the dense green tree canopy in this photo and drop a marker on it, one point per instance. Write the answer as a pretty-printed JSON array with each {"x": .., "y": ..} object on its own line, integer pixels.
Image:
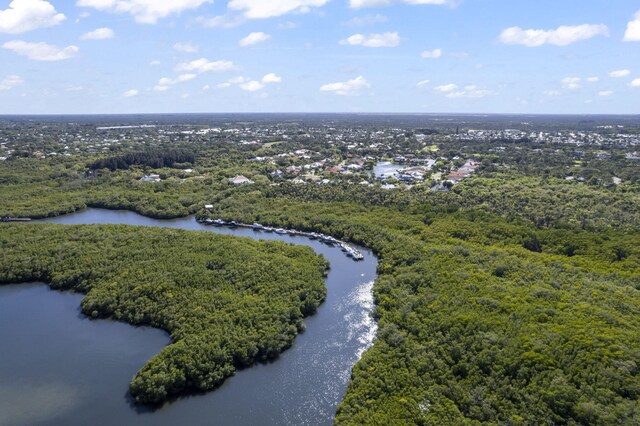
[
  {"x": 482, "y": 320},
  {"x": 226, "y": 302},
  {"x": 511, "y": 299}
]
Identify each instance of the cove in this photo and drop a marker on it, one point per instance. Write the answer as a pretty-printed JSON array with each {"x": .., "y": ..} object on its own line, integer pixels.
[{"x": 302, "y": 387}]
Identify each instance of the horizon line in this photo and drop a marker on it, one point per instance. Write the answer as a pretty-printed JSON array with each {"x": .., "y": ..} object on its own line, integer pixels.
[{"x": 325, "y": 113}]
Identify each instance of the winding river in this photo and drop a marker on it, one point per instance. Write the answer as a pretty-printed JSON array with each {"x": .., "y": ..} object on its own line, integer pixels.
[{"x": 58, "y": 367}]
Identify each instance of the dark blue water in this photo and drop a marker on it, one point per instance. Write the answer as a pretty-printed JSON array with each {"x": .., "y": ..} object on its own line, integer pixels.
[{"x": 61, "y": 368}]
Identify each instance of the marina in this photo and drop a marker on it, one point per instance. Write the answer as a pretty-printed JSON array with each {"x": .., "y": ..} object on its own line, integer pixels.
[
  {"x": 14, "y": 219},
  {"x": 302, "y": 387},
  {"x": 350, "y": 251}
]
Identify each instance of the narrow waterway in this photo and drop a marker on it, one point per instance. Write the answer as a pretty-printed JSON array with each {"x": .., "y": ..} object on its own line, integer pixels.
[{"x": 63, "y": 368}]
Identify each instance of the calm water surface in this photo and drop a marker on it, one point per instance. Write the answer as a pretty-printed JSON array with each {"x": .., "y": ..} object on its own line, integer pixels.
[
  {"x": 385, "y": 170},
  {"x": 58, "y": 367}
]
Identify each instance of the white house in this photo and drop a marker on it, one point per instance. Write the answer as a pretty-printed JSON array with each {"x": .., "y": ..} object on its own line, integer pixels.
[{"x": 240, "y": 180}]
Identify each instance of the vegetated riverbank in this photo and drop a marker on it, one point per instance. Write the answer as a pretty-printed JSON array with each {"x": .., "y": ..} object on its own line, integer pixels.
[
  {"x": 303, "y": 386},
  {"x": 226, "y": 302},
  {"x": 482, "y": 319},
  {"x": 468, "y": 302}
]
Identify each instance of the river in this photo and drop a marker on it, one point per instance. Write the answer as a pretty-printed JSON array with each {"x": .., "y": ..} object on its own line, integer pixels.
[{"x": 58, "y": 367}]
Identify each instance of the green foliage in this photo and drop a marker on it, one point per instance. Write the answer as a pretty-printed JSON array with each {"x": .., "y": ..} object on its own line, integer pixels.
[
  {"x": 551, "y": 202},
  {"x": 478, "y": 328},
  {"x": 152, "y": 158},
  {"x": 226, "y": 302},
  {"x": 513, "y": 299}
]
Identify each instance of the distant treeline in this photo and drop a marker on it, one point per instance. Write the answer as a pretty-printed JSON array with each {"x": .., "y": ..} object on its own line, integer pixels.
[{"x": 152, "y": 158}]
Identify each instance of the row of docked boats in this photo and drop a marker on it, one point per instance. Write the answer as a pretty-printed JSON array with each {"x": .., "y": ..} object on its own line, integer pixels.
[
  {"x": 326, "y": 239},
  {"x": 14, "y": 219}
]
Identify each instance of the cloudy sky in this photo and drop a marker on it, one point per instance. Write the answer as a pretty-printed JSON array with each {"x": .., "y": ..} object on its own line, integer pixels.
[{"x": 139, "y": 56}]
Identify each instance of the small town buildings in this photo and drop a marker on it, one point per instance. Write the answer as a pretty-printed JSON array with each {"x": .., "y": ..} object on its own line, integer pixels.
[
  {"x": 240, "y": 180},
  {"x": 151, "y": 178}
]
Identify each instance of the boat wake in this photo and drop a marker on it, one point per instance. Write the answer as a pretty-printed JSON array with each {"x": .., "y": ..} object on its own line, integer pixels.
[{"x": 361, "y": 325}]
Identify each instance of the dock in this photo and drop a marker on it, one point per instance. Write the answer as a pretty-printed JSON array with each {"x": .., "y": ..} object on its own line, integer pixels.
[
  {"x": 15, "y": 219},
  {"x": 349, "y": 250}
]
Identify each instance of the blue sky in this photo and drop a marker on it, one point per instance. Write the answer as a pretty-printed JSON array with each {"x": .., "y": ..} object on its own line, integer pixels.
[{"x": 485, "y": 56}]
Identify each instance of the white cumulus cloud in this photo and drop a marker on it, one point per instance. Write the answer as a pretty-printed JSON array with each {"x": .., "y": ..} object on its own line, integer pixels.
[
  {"x": 10, "y": 81},
  {"x": 27, "y": 15},
  {"x": 130, "y": 93},
  {"x": 423, "y": 83},
  {"x": 185, "y": 47},
  {"x": 619, "y": 73},
  {"x": 98, "y": 34},
  {"x": 41, "y": 51},
  {"x": 561, "y": 36},
  {"x": 359, "y": 4},
  {"x": 432, "y": 54},
  {"x": 254, "y": 38},
  {"x": 633, "y": 29},
  {"x": 574, "y": 83},
  {"x": 347, "y": 88},
  {"x": 446, "y": 88},
  {"x": 571, "y": 83},
  {"x": 373, "y": 40},
  {"x": 360, "y": 21},
  {"x": 260, "y": 9},
  {"x": 165, "y": 82},
  {"x": 249, "y": 84},
  {"x": 238, "y": 80},
  {"x": 184, "y": 77},
  {"x": 252, "y": 86},
  {"x": 221, "y": 21},
  {"x": 635, "y": 83},
  {"x": 204, "y": 65},
  {"x": 470, "y": 91},
  {"x": 143, "y": 11},
  {"x": 271, "y": 78}
]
